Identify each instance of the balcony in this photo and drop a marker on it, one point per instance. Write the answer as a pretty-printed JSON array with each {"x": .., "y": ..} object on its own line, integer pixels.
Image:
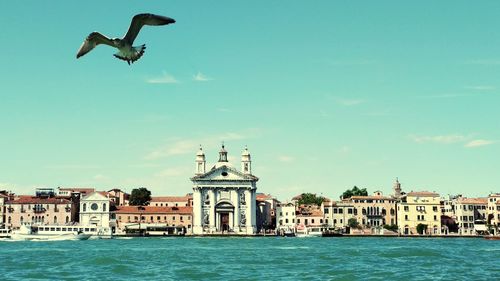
[{"x": 39, "y": 210}]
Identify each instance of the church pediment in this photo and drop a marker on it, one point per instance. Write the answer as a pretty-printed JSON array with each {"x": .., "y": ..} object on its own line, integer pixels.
[
  {"x": 95, "y": 196},
  {"x": 224, "y": 173}
]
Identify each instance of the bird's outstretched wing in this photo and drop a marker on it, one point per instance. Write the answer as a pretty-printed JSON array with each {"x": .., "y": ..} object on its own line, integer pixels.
[
  {"x": 140, "y": 20},
  {"x": 94, "y": 39}
]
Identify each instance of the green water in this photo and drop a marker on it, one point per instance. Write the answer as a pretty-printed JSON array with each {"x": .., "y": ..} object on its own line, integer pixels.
[{"x": 252, "y": 259}]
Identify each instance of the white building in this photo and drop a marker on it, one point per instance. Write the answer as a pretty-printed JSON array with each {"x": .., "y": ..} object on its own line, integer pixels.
[
  {"x": 94, "y": 211},
  {"x": 286, "y": 216},
  {"x": 224, "y": 198}
]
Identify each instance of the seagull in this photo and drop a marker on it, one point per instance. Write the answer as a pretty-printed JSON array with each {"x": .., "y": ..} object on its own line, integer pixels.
[{"x": 127, "y": 52}]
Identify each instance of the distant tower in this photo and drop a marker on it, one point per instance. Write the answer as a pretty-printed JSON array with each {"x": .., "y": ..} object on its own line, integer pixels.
[
  {"x": 200, "y": 162},
  {"x": 223, "y": 154},
  {"x": 397, "y": 188},
  {"x": 246, "y": 162}
]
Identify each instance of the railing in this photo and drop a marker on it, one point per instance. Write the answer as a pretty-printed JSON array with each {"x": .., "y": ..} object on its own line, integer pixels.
[{"x": 39, "y": 210}]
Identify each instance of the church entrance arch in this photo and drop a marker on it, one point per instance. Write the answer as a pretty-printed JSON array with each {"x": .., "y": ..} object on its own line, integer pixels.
[{"x": 225, "y": 215}]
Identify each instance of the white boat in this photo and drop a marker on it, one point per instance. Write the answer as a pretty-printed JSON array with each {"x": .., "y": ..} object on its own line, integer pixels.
[
  {"x": 33, "y": 233},
  {"x": 4, "y": 233},
  {"x": 309, "y": 232}
]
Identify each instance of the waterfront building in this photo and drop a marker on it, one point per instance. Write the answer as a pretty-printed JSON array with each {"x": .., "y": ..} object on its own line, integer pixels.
[
  {"x": 286, "y": 216},
  {"x": 338, "y": 213},
  {"x": 266, "y": 211},
  {"x": 95, "y": 210},
  {"x": 419, "y": 208},
  {"x": 310, "y": 216},
  {"x": 171, "y": 220},
  {"x": 42, "y": 209},
  {"x": 224, "y": 198},
  {"x": 494, "y": 212},
  {"x": 172, "y": 201},
  {"x": 470, "y": 215},
  {"x": 373, "y": 211}
]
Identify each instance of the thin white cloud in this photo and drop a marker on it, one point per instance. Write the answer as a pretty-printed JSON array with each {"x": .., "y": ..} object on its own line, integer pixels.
[
  {"x": 222, "y": 109},
  {"x": 442, "y": 139},
  {"x": 200, "y": 77},
  {"x": 187, "y": 146},
  {"x": 481, "y": 88},
  {"x": 478, "y": 143},
  {"x": 484, "y": 62},
  {"x": 286, "y": 158},
  {"x": 350, "y": 102},
  {"x": 174, "y": 172},
  {"x": 442, "y": 96},
  {"x": 100, "y": 177},
  {"x": 72, "y": 167},
  {"x": 164, "y": 79}
]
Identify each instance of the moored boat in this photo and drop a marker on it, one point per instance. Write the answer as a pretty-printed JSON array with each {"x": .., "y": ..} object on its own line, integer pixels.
[
  {"x": 29, "y": 233},
  {"x": 492, "y": 237},
  {"x": 303, "y": 231}
]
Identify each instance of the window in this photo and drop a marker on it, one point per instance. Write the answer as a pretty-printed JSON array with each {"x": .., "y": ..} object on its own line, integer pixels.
[
  {"x": 312, "y": 220},
  {"x": 180, "y": 218},
  {"x": 173, "y": 218},
  {"x": 349, "y": 211},
  {"x": 406, "y": 208},
  {"x": 435, "y": 218},
  {"x": 406, "y": 217},
  {"x": 158, "y": 218},
  {"x": 104, "y": 207},
  {"x": 281, "y": 222},
  {"x": 334, "y": 221},
  {"x": 67, "y": 219},
  {"x": 298, "y": 220},
  {"x": 151, "y": 218},
  {"x": 55, "y": 219},
  {"x": 341, "y": 211},
  {"x": 435, "y": 208},
  {"x": 305, "y": 222},
  {"x": 326, "y": 211},
  {"x": 335, "y": 210},
  {"x": 340, "y": 220},
  {"x": 84, "y": 207}
]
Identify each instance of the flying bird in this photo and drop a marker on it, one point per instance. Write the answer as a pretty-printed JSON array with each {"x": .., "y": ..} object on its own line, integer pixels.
[{"x": 127, "y": 52}]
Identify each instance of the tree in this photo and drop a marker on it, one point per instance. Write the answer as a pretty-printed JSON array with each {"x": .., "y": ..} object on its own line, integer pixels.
[
  {"x": 355, "y": 191},
  {"x": 392, "y": 227},
  {"x": 310, "y": 199},
  {"x": 352, "y": 223},
  {"x": 140, "y": 197},
  {"x": 421, "y": 228}
]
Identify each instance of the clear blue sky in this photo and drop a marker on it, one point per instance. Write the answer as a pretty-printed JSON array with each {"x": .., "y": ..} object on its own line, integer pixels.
[{"x": 326, "y": 94}]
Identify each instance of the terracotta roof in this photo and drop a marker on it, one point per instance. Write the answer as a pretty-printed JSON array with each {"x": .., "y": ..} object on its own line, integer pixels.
[
  {"x": 373, "y": 197},
  {"x": 105, "y": 193},
  {"x": 262, "y": 196},
  {"x": 170, "y": 199},
  {"x": 153, "y": 210},
  {"x": 422, "y": 194},
  {"x": 28, "y": 199},
  {"x": 479, "y": 201}
]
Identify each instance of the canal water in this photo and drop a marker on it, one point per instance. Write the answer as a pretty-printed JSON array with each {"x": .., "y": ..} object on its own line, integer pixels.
[{"x": 262, "y": 258}]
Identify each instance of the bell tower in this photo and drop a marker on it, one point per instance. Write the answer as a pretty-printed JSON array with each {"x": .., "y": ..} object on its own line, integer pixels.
[
  {"x": 397, "y": 188},
  {"x": 200, "y": 162},
  {"x": 246, "y": 162}
]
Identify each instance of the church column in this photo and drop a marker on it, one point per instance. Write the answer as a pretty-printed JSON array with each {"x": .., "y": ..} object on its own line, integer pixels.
[
  {"x": 212, "y": 209},
  {"x": 250, "y": 212},
  {"x": 254, "y": 209},
  {"x": 235, "y": 198},
  {"x": 197, "y": 211}
]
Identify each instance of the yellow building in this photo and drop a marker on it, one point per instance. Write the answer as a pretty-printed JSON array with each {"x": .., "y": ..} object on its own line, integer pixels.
[
  {"x": 419, "y": 208},
  {"x": 493, "y": 217}
]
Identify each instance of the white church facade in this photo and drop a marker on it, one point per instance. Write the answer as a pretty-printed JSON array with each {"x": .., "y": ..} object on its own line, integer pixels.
[
  {"x": 95, "y": 211},
  {"x": 224, "y": 198}
]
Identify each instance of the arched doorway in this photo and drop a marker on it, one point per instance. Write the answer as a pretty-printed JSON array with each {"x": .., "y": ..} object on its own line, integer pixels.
[{"x": 225, "y": 216}]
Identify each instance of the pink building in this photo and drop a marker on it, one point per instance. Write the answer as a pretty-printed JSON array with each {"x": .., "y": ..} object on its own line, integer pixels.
[{"x": 26, "y": 209}]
